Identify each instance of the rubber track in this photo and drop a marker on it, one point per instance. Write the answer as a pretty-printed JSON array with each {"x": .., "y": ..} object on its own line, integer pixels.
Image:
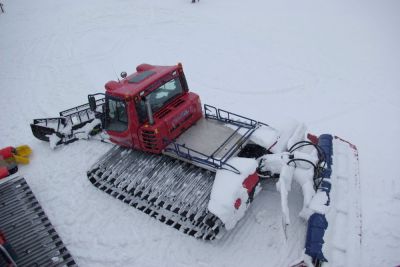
[
  {"x": 27, "y": 228},
  {"x": 175, "y": 192}
]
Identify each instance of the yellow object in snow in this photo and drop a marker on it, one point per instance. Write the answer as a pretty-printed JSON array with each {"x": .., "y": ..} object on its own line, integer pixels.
[{"x": 21, "y": 154}]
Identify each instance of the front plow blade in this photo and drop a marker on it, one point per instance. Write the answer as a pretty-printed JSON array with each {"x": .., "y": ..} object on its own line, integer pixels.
[{"x": 66, "y": 128}]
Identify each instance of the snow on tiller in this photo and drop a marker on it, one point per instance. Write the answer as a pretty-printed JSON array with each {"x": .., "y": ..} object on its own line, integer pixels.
[
  {"x": 336, "y": 210},
  {"x": 331, "y": 204},
  {"x": 27, "y": 237}
]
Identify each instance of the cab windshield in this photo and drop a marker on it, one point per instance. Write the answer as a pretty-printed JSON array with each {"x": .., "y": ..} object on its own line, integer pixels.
[
  {"x": 159, "y": 97},
  {"x": 116, "y": 118}
]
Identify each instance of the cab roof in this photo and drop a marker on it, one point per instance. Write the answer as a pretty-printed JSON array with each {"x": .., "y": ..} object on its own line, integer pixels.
[{"x": 139, "y": 81}]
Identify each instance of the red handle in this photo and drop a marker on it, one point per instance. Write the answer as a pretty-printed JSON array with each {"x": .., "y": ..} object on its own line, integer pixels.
[{"x": 6, "y": 152}]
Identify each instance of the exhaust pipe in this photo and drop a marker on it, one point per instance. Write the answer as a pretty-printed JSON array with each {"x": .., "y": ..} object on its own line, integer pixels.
[{"x": 149, "y": 111}]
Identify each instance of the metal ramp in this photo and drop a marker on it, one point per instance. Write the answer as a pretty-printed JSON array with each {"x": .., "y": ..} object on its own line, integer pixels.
[{"x": 28, "y": 230}]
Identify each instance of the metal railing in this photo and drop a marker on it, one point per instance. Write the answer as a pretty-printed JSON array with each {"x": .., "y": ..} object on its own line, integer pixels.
[{"x": 223, "y": 116}]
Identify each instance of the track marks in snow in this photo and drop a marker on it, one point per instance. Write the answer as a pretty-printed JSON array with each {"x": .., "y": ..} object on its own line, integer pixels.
[
  {"x": 266, "y": 91},
  {"x": 262, "y": 227},
  {"x": 54, "y": 53}
]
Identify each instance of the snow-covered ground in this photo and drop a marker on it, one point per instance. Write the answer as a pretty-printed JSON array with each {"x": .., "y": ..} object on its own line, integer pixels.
[{"x": 333, "y": 65}]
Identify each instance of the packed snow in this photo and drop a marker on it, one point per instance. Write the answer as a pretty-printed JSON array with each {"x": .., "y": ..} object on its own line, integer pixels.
[
  {"x": 292, "y": 165},
  {"x": 265, "y": 136},
  {"x": 228, "y": 187},
  {"x": 332, "y": 65},
  {"x": 319, "y": 202}
]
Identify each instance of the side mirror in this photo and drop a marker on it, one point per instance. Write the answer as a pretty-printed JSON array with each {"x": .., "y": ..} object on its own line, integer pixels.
[
  {"x": 103, "y": 116},
  {"x": 123, "y": 75},
  {"x": 92, "y": 102}
]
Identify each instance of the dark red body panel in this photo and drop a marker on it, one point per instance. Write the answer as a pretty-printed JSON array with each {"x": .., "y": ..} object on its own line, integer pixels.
[
  {"x": 170, "y": 122},
  {"x": 250, "y": 182},
  {"x": 127, "y": 137}
]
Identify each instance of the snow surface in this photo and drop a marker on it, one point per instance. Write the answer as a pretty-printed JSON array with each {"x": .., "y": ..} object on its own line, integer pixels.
[
  {"x": 333, "y": 65},
  {"x": 287, "y": 131},
  {"x": 84, "y": 132},
  {"x": 53, "y": 140},
  {"x": 319, "y": 202},
  {"x": 343, "y": 215},
  {"x": 265, "y": 137},
  {"x": 283, "y": 186},
  {"x": 301, "y": 172}
]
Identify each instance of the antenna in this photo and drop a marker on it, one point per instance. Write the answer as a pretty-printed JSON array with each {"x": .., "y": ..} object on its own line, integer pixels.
[{"x": 115, "y": 73}]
